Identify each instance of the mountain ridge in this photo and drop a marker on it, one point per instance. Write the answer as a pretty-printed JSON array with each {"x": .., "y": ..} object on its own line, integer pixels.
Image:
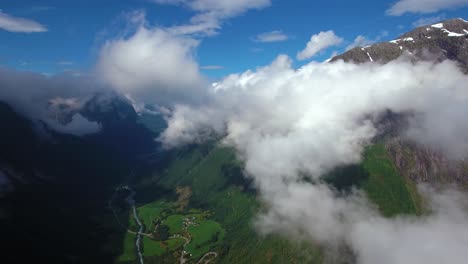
[{"x": 447, "y": 39}]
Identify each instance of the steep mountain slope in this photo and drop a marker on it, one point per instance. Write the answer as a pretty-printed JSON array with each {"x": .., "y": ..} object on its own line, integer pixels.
[
  {"x": 54, "y": 204},
  {"x": 444, "y": 40}
]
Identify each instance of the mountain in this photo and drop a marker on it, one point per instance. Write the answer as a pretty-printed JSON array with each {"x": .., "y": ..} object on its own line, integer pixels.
[
  {"x": 440, "y": 41},
  {"x": 54, "y": 204},
  {"x": 70, "y": 199}
]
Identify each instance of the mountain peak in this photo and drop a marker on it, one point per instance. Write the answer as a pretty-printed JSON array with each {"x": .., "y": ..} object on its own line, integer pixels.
[{"x": 447, "y": 39}]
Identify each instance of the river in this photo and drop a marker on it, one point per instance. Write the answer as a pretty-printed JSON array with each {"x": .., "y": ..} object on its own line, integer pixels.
[{"x": 131, "y": 202}]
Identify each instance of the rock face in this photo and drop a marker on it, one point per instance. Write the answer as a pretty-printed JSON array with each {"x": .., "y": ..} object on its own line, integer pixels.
[
  {"x": 422, "y": 164},
  {"x": 108, "y": 109},
  {"x": 445, "y": 40}
]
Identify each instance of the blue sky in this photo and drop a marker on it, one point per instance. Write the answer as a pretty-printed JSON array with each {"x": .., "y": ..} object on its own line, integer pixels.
[{"x": 74, "y": 31}]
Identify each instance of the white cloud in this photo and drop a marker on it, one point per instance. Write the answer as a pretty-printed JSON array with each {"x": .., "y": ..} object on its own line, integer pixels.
[
  {"x": 79, "y": 126},
  {"x": 224, "y": 8},
  {"x": 18, "y": 24},
  {"x": 423, "y": 6},
  {"x": 319, "y": 42},
  {"x": 211, "y": 13},
  {"x": 152, "y": 65},
  {"x": 156, "y": 64},
  {"x": 39, "y": 98},
  {"x": 428, "y": 21},
  {"x": 286, "y": 124},
  {"x": 272, "y": 36},
  {"x": 305, "y": 211}
]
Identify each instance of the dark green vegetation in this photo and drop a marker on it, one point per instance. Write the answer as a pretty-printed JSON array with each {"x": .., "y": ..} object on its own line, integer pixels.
[{"x": 58, "y": 210}]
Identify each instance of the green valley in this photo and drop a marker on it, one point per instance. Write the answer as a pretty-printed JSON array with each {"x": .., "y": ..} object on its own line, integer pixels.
[{"x": 209, "y": 206}]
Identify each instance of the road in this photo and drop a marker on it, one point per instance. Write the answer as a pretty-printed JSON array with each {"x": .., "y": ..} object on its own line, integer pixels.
[
  {"x": 187, "y": 241},
  {"x": 207, "y": 255}
]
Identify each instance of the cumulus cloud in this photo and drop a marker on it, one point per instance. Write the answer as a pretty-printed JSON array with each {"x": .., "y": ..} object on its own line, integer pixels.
[
  {"x": 19, "y": 24},
  {"x": 272, "y": 36},
  {"x": 319, "y": 42},
  {"x": 288, "y": 124},
  {"x": 42, "y": 98},
  {"x": 211, "y": 13},
  {"x": 423, "y": 6},
  {"x": 151, "y": 65},
  {"x": 156, "y": 64}
]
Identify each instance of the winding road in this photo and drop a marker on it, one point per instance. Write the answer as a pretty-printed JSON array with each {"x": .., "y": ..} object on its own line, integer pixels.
[{"x": 207, "y": 255}]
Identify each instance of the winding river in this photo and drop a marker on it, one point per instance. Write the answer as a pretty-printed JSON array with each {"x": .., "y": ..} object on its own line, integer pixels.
[{"x": 131, "y": 202}]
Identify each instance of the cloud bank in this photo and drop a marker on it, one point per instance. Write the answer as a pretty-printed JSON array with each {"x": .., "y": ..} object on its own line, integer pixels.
[
  {"x": 19, "y": 24},
  {"x": 288, "y": 124},
  {"x": 39, "y": 98},
  {"x": 423, "y": 6},
  {"x": 317, "y": 43}
]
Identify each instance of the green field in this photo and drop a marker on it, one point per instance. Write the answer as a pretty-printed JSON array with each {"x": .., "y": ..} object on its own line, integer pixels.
[
  {"x": 174, "y": 222},
  {"x": 206, "y": 235},
  {"x": 152, "y": 211},
  {"x": 175, "y": 244},
  {"x": 153, "y": 248},
  {"x": 129, "y": 251}
]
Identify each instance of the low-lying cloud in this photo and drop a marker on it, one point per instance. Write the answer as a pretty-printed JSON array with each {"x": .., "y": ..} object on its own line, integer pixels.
[
  {"x": 42, "y": 98},
  {"x": 286, "y": 124}
]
